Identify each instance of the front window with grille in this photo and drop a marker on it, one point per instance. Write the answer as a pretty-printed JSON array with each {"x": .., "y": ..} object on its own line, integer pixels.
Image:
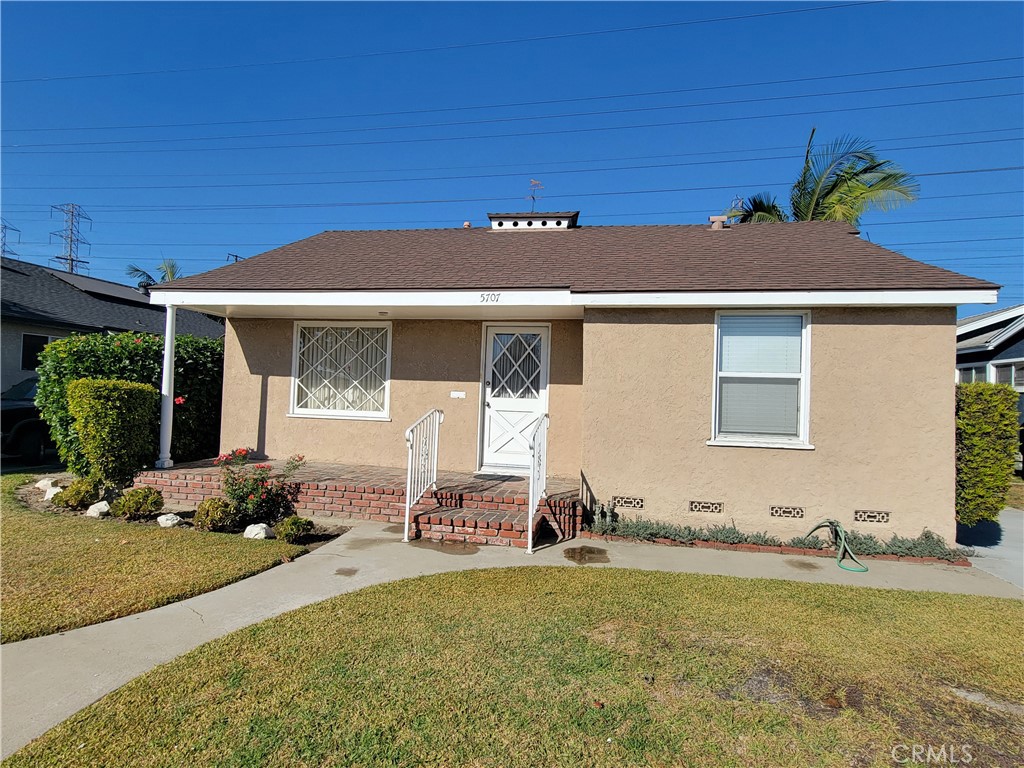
[{"x": 342, "y": 369}]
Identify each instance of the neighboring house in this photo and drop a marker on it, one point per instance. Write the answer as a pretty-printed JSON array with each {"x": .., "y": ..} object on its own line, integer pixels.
[
  {"x": 41, "y": 304},
  {"x": 990, "y": 347},
  {"x": 769, "y": 375}
]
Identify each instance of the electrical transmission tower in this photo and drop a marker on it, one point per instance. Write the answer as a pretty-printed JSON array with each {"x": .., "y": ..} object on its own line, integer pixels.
[
  {"x": 4, "y": 227},
  {"x": 71, "y": 235}
]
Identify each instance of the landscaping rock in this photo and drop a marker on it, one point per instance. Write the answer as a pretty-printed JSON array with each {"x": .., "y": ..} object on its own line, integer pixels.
[
  {"x": 45, "y": 484},
  {"x": 52, "y": 491},
  {"x": 99, "y": 509},
  {"x": 169, "y": 520},
  {"x": 259, "y": 531}
]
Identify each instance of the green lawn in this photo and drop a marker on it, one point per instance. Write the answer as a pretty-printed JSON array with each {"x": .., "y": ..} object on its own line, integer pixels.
[
  {"x": 63, "y": 572},
  {"x": 575, "y": 667}
]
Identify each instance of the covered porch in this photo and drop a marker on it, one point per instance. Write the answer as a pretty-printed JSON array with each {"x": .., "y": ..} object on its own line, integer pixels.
[{"x": 468, "y": 507}]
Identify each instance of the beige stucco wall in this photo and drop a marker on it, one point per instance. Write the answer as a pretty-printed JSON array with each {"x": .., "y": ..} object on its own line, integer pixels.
[
  {"x": 429, "y": 359},
  {"x": 881, "y": 422}
]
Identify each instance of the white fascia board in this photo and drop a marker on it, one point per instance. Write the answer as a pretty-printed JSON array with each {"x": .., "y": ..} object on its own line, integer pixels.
[
  {"x": 475, "y": 298},
  {"x": 563, "y": 298},
  {"x": 726, "y": 299},
  {"x": 985, "y": 322},
  {"x": 996, "y": 340}
]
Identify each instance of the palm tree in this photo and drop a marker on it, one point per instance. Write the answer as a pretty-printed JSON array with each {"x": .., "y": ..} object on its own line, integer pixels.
[
  {"x": 838, "y": 183},
  {"x": 168, "y": 270}
]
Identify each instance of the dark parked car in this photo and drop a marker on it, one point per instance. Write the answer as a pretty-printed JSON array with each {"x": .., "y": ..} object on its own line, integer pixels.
[{"x": 24, "y": 433}]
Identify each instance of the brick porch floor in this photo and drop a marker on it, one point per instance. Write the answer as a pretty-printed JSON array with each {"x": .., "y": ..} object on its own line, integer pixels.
[{"x": 482, "y": 509}]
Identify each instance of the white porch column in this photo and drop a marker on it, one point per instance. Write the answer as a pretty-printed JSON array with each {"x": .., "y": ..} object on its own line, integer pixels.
[{"x": 167, "y": 393}]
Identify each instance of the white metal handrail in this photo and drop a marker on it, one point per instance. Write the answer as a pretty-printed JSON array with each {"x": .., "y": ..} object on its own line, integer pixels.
[
  {"x": 538, "y": 473},
  {"x": 421, "y": 438}
]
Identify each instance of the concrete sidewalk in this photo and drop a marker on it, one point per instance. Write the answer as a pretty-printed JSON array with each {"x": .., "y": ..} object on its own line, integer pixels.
[
  {"x": 47, "y": 679},
  {"x": 1003, "y": 558}
]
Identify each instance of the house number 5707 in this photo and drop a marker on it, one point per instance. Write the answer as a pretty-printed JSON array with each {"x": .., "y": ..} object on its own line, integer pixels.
[{"x": 490, "y": 298}]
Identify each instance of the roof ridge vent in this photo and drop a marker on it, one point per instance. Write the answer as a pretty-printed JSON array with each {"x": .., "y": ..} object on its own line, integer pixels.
[
  {"x": 718, "y": 222},
  {"x": 534, "y": 222}
]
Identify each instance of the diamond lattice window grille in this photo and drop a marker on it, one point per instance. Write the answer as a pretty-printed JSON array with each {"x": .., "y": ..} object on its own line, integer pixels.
[
  {"x": 342, "y": 369},
  {"x": 515, "y": 365}
]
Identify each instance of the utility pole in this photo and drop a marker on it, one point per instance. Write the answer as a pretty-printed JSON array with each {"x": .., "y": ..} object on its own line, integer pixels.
[
  {"x": 234, "y": 256},
  {"x": 4, "y": 226},
  {"x": 71, "y": 235}
]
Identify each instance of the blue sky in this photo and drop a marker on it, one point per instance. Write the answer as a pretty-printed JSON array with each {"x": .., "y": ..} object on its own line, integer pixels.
[{"x": 627, "y": 126}]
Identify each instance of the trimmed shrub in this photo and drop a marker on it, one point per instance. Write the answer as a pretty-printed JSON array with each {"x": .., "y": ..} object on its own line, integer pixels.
[
  {"x": 114, "y": 423},
  {"x": 291, "y": 529},
  {"x": 987, "y": 432},
  {"x": 198, "y": 374},
  {"x": 215, "y": 515},
  {"x": 79, "y": 494},
  {"x": 138, "y": 504},
  {"x": 256, "y": 497}
]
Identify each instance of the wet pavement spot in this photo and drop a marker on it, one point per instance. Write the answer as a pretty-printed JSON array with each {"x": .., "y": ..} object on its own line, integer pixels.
[
  {"x": 584, "y": 555},
  {"x": 803, "y": 565},
  {"x": 447, "y": 547},
  {"x": 359, "y": 544},
  {"x": 346, "y": 571},
  {"x": 397, "y": 528}
]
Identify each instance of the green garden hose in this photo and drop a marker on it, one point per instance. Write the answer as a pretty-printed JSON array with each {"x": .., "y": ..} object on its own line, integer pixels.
[{"x": 839, "y": 542}]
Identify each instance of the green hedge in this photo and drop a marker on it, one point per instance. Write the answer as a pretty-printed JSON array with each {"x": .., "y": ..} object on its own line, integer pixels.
[
  {"x": 198, "y": 374},
  {"x": 114, "y": 422},
  {"x": 986, "y": 441}
]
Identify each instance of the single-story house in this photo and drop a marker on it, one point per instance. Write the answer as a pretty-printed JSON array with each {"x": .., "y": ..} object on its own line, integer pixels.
[
  {"x": 39, "y": 304},
  {"x": 770, "y": 375}
]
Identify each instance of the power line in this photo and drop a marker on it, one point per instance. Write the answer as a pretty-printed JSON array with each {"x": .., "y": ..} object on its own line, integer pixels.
[
  {"x": 463, "y": 177},
  {"x": 521, "y": 134},
  {"x": 519, "y": 104},
  {"x": 518, "y": 118},
  {"x": 437, "y": 48},
  {"x": 530, "y": 168},
  {"x": 968, "y": 240}
]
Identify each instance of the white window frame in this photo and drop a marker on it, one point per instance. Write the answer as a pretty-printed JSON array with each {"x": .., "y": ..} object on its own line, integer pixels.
[
  {"x": 971, "y": 366},
  {"x": 313, "y": 413},
  {"x": 1017, "y": 385},
  {"x": 799, "y": 442}
]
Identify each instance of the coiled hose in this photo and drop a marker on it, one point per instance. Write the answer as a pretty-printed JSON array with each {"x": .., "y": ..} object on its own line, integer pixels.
[{"x": 843, "y": 550}]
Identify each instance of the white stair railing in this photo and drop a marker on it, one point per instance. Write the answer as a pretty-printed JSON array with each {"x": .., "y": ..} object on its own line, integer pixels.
[
  {"x": 421, "y": 438},
  {"x": 538, "y": 473}
]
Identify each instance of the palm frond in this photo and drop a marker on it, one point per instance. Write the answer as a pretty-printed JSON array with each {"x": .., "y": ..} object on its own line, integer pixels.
[
  {"x": 169, "y": 270},
  {"x": 145, "y": 279},
  {"x": 761, "y": 208}
]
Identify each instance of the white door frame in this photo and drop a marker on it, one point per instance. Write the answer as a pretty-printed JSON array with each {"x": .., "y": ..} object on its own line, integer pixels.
[{"x": 545, "y": 379}]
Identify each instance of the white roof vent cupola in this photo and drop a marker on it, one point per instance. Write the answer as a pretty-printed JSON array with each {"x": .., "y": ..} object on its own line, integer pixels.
[{"x": 534, "y": 222}]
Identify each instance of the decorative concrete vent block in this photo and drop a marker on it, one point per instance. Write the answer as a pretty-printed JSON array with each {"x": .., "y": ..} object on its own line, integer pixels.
[
  {"x": 791, "y": 512},
  {"x": 628, "y": 502},
  {"x": 715, "y": 507},
  {"x": 870, "y": 516}
]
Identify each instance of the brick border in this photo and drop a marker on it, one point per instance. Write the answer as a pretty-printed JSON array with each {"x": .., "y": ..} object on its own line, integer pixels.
[{"x": 964, "y": 563}]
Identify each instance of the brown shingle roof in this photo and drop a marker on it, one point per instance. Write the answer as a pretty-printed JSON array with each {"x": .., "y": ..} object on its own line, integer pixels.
[{"x": 810, "y": 256}]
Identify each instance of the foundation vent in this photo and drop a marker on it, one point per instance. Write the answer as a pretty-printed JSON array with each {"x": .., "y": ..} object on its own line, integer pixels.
[
  {"x": 870, "y": 516},
  {"x": 628, "y": 502},
  {"x": 791, "y": 512},
  {"x": 715, "y": 507}
]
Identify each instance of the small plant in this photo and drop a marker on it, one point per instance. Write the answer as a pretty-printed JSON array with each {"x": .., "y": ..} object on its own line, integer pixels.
[
  {"x": 605, "y": 520},
  {"x": 806, "y": 542},
  {"x": 725, "y": 534},
  {"x": 79, "y": 494},
  {"x": 928, "y": 544},
  {"x": 215, "y": 515},
  {"x": 864, "y": 543},
  {"x": 291, "y": 529},
  {"x": 764, "y": 539},
  {"x": 256, "y": 497},
  {"x": 138, "y": 504}
]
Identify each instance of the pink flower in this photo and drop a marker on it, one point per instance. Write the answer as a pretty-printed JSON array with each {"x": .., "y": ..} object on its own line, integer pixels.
[
  {"x": 138, "y": 341},
  {"x": 251, "y": 497},
  {"x": 179, "y": 400},
  {"x": 117, "y": 343}
]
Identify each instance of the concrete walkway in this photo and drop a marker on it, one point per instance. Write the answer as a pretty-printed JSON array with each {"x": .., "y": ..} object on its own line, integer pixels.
[
  {"x": 47, "y": 679},
  {"x": 1003, "y": 557}
]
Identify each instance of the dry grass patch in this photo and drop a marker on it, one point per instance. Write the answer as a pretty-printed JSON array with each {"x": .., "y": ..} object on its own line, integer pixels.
[
  {"x": 62, "y": 572},
  {"x": 1015, "y": 497},
  {"x": 571, "y": 667}
]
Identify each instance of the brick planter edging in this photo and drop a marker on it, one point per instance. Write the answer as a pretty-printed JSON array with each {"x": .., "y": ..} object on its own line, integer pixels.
[{"x": 771, "y": 550}]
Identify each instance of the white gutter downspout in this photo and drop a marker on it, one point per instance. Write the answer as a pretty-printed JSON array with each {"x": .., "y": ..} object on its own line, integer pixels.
[{"x": 167, "y": 393}]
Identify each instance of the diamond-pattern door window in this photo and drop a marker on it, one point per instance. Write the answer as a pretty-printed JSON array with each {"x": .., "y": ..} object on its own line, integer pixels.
[
  {"x": 515, "y": 365},
  {"x": 342, "y": 369}
]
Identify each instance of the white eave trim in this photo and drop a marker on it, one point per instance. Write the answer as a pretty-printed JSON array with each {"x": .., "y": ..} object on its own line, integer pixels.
[
  {"x": 996, "y": 340},
  {"x": 563, "y": 298},
  {"x": 993, "y": 319}
]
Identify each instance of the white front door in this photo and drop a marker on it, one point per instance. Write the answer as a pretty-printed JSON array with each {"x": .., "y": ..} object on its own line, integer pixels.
[{"x": 515, "y": 392}]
